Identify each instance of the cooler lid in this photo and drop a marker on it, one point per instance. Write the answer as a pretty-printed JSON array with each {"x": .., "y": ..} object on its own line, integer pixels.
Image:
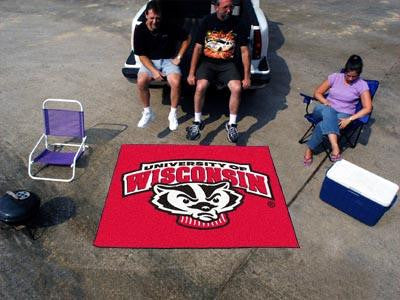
[{"x": 364, "y": 182}]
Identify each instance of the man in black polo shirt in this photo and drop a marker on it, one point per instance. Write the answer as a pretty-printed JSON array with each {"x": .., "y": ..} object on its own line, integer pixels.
[
  {"x": 218, "y": 36},
  {"x": 156, "y": 45}
]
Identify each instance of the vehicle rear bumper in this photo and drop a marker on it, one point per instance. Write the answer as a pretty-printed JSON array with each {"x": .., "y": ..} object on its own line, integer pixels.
[
  {"x": 130, "y": 72},
  {"x": 258, "y": 80}
]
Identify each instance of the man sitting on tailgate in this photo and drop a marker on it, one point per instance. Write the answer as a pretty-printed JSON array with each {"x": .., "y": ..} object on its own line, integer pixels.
[
  {"x": 156, "y": 44},
  {"x": 218, "y": 35}
]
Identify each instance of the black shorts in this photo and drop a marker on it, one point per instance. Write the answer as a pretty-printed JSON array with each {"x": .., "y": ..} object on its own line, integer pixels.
[{"x": 218, "y": 73}]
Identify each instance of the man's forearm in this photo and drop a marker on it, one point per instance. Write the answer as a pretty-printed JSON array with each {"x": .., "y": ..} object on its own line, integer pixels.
[
  {"x": 195, "y": 59},
  {"x": 246, "y": 61},
  {"x": 147, "y": 63},
  {"x": 184, "y": 46}
]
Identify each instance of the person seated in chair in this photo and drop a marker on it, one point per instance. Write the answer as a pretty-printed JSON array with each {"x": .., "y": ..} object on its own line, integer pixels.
[
  {"x": 338, "y": 109},
  {"x": 155, "y": 43},
  {"x": 218, "y": 35}
]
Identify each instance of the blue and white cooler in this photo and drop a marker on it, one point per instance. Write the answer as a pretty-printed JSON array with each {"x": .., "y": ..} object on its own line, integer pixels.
[{"x": 358, "y": 192}]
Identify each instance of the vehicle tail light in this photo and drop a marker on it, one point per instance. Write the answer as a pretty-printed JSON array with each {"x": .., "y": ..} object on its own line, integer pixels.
[{"x": 256, "y": 44}]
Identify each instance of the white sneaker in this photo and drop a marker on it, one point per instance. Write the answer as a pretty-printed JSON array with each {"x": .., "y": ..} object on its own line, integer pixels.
[
  {"x": 173, "y": 121},
  {"x": 146, "y": 118}
]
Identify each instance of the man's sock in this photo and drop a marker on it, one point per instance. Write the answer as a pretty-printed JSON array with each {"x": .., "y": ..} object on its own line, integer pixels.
[
  {"x": 197, "y": 116},
  {"x": 147, "y": 109},
  {"x": 232, "y": 119},
  {"x": 173, "y": 110}
]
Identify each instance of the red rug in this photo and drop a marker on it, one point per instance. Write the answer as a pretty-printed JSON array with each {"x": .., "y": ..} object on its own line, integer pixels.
[{"x": 176, "y": 196}]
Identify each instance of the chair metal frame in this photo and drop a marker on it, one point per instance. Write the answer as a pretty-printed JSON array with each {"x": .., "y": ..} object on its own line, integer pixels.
[
  {"x": 44, "y": 137},
  {"x": 354, "y": 128}
]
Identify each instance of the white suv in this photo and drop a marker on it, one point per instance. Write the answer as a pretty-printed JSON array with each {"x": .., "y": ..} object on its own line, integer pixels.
[{"x": 188, "y": 14}]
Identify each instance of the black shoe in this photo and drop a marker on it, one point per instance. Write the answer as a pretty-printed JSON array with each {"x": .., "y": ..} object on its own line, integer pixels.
[
  {"x": 193, "y": 132},
  {"x": 232, "y": 131}
]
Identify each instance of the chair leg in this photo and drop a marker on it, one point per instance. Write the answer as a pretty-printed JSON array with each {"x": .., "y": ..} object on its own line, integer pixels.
[
  {"x": 357, "y": 137},
  {"x": 306, "y": 135},
  {"x": 348, "y": 138},
  {"x": 51, "y": 178},
  {"x": 327, "y": 147}
]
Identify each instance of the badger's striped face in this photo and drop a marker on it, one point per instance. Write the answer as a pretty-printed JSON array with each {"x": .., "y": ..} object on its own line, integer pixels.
[{"x": 203, "y": 201}]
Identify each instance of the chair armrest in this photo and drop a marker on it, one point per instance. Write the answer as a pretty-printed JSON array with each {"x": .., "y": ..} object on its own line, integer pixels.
[
  {"x": 34, "y": 148},
  {"x": 307, "y": 99}
]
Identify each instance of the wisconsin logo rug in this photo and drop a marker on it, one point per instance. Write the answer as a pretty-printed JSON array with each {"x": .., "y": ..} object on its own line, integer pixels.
[{"x": 178, "y": 196}]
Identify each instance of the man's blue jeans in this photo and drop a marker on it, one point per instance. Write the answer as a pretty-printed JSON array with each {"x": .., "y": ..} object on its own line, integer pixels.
[{"x": 329, "y": 124}]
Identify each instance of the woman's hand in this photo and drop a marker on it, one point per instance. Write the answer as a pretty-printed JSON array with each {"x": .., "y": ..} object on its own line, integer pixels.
[{"x": 344, "y": 122}]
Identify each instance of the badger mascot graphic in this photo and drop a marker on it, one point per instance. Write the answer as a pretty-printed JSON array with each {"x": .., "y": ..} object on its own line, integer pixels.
[{"x": 197, "y": 205}]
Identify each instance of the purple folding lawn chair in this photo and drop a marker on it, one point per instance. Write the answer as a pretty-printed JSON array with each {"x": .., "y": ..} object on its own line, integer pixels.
[{"x": 60, "y": 123}]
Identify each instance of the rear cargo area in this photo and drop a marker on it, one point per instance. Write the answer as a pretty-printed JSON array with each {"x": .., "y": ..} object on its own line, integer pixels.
[{"x": 188, "y": 14}]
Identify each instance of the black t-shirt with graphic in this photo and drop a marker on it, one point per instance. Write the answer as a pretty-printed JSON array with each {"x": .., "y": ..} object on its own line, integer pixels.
[
  {"x": 220, "y": 39},
  {"x": 158, "y": 44}
]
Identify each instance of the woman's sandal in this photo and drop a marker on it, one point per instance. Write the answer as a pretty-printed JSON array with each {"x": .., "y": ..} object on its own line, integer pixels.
[
  {"x": 307, "y": 161},
  {"x": 335, "y": 158}
]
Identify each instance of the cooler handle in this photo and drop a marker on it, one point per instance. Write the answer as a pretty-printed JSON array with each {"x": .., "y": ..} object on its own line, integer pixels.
[
  {"x": 355, "y": 198},
  {"x": 355, "y": 192}
]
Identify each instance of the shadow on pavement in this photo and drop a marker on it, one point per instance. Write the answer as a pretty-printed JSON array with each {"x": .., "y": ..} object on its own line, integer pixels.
[
  {"x": 104, "y": 132},
  {"x": 264, "y": 104},
  {"x": 366, "y": 132},
  {"x": 54, "y": 212},
  {"x": 98, "y": 135}
]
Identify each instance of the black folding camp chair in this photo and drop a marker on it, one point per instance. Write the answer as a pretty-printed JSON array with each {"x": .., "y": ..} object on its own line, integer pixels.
[{"x": 351, "y": 133}]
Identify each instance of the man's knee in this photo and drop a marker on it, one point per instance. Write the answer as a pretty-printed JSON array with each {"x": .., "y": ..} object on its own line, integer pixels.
[
  {"x": 235, "y": 87},
  {"x": 201, "y": 85},
  {"x": 143, "y": 82},
  {"x": 174, "y": 81}
]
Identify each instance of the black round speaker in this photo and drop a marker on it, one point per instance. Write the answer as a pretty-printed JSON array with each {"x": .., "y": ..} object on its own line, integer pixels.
[{"x": 18, "y": 206}]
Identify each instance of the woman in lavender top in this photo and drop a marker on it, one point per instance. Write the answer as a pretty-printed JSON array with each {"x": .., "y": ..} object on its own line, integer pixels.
[{"x": 338, "y": 109}]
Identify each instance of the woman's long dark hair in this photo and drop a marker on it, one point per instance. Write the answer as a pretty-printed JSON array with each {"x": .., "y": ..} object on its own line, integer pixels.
[{"x": 354, "y": 63}]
